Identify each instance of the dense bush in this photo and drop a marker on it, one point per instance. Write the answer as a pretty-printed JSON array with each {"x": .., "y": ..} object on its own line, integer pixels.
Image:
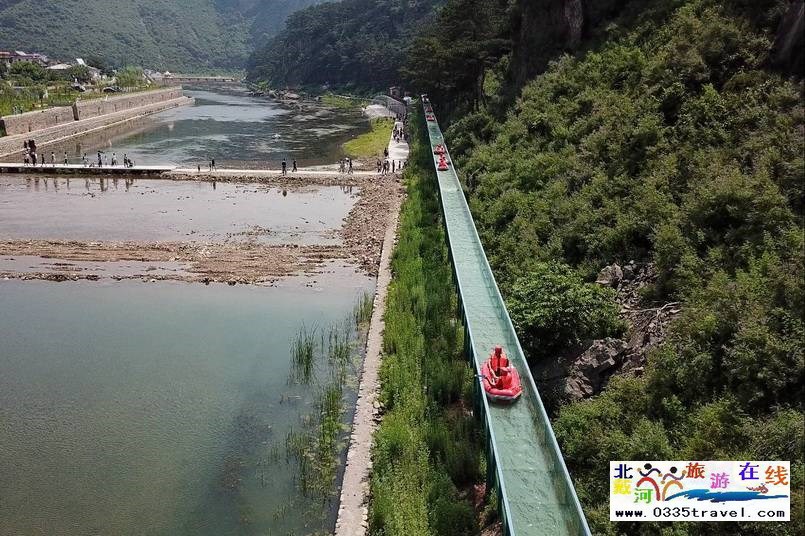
[
  {"x": 355, "y": 43},
  {"x": 554, "y": 309},
  {"x": 191, "y": 35}
]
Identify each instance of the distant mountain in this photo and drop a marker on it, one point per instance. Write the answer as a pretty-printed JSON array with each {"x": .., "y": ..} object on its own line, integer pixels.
[
  {"x": 357, "y": 43},
  {"x": 179, "y": 35}
]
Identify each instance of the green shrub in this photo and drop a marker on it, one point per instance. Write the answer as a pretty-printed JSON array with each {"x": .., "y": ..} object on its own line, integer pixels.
[{"x": 553, "y": 308}]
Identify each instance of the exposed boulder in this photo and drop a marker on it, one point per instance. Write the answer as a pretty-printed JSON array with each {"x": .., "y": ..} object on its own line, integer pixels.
[
  {"x": 610, "y": 276},
  {"x": 586, "y": 371}
]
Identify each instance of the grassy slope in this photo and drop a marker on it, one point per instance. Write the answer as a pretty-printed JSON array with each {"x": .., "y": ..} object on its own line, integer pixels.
[
  {"x": 373, "y": 142},
  {"x": 426, "y": 445}
]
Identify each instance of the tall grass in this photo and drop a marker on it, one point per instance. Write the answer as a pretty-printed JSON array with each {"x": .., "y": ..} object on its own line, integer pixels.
[
  {"x": 372, "y": 143},
  {"x": 303, "y": 355},
  {"x": 363, "y": 309},
  {"x": 428, "y": 446}
]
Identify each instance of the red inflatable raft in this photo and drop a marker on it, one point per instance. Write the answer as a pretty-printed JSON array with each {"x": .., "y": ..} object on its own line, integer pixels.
[{"x": 500, "y": 379}]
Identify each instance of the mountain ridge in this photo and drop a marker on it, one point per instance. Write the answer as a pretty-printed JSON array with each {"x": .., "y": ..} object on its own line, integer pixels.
[{"x": 178, "y": 35}]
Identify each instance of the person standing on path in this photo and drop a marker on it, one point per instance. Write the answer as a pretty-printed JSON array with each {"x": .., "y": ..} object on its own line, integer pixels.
[
  {"x": 212, "y": 165},
  {"x": 52, "y": 158},
  {"x": 350, "y": 166},
  {"x": 284, "y": 167},
  {"x": 100, "y": 159},
  {"x": 65, "y": 158},
  {"x": 294, "y": 170}
]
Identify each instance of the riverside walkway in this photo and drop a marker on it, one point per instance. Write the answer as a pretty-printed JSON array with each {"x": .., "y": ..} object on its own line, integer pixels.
[
  {"x": 80, "y": 169},
  {"x": 525, "y": 465}
]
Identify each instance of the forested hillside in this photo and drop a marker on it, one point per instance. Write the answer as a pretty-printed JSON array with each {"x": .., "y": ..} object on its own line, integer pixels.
[
  {"x": 664, "y": 132},
  {"x": 179, "y": 35},
  {"x": 352, "y": 43}
]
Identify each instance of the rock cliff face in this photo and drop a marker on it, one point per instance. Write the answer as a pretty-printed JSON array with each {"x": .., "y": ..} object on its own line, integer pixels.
[
  {"x": 544, "y": 28},
  {"x": 787, "y": 51},
  {"x": 584, "y": 371}
]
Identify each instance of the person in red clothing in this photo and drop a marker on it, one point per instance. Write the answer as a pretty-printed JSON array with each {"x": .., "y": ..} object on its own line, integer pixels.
[{"x": 500, "y": 368}]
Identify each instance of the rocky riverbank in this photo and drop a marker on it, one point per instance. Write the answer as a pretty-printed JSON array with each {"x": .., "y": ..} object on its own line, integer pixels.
[{"x": 244, "y": 261}]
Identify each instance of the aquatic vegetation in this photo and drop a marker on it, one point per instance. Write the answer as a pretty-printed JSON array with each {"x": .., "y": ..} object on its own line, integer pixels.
[
  {"x": 303, "y": 355},
  {"x": 363, "y": 309},
  {"x": 327, "y": 360}
]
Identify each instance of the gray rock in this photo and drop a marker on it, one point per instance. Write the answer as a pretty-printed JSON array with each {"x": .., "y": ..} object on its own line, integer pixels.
[{"x": 610, "y": 276}]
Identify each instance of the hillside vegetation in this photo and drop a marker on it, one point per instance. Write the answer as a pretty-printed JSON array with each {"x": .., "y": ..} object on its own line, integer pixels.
[
  {"x": 668, "y": 140},
  {"x": 179, "y": 35},
  {"x": 358, "y": 44}
]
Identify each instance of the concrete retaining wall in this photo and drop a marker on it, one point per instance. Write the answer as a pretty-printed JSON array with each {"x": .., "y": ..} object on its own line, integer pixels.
[
  {"x": 13, "y": 145},
  {"x": 97, "y": 107},
  {"x": 30, "y": 122}
]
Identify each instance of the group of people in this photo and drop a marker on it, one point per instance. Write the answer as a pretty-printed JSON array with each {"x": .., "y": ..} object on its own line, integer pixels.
[
  {"x": 345, "y": 165},
  {"x": 103, "y": 161},
  {"x": 285, "y": 166},
  {"x": 389, "y": 166},
  {"x": 399, "y": 134},
  {"x": 32, "y": 158}
]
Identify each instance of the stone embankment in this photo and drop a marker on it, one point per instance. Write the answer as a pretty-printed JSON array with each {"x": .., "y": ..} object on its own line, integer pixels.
[{"x": 57, "y": 124}]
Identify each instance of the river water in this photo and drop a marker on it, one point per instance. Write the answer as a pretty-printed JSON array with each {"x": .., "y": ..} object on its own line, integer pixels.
[
  {"x": 87, "y": 209},
  {"x": 226, "y": 124},
  {"x": 133, "y": 408}
]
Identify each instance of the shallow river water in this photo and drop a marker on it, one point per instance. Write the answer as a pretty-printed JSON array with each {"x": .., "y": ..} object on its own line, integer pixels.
[
  {"x": 56, "y": 208},
  {"x": 130, "y": 408}
]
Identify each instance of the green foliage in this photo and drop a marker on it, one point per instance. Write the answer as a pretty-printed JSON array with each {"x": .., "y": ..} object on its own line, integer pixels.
[
  {"x": 189, "y": 35},
  {"x": 668, "y": 142},
  {"x": 553, "y": 309},
  {"x": 351, "y": 43},
  {"x": 672, "y": 145},
  {"x": 129, "y": 77},
  {"x": 80, "y": 73},
  {"x": 337, "y": 101},
  {"x": 450, "y": 58},
  {"x": 28, "y": 71},
  {"x": 426, "y": 445}
]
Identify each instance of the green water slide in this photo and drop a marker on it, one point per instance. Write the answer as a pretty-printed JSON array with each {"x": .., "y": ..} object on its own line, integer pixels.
[{"x": 526, "y": 468}]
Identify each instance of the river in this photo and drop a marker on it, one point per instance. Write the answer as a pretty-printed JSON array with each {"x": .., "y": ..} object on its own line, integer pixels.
[
  {"x": 225, "y": 123},
  {"x": 163, "y": 408}
]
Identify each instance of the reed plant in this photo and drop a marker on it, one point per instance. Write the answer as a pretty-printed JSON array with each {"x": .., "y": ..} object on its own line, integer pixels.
[
  {"x": 363, "y": 310},
  {"x": 326, "y": 360},
  {"x": 303, "y": 355}
]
